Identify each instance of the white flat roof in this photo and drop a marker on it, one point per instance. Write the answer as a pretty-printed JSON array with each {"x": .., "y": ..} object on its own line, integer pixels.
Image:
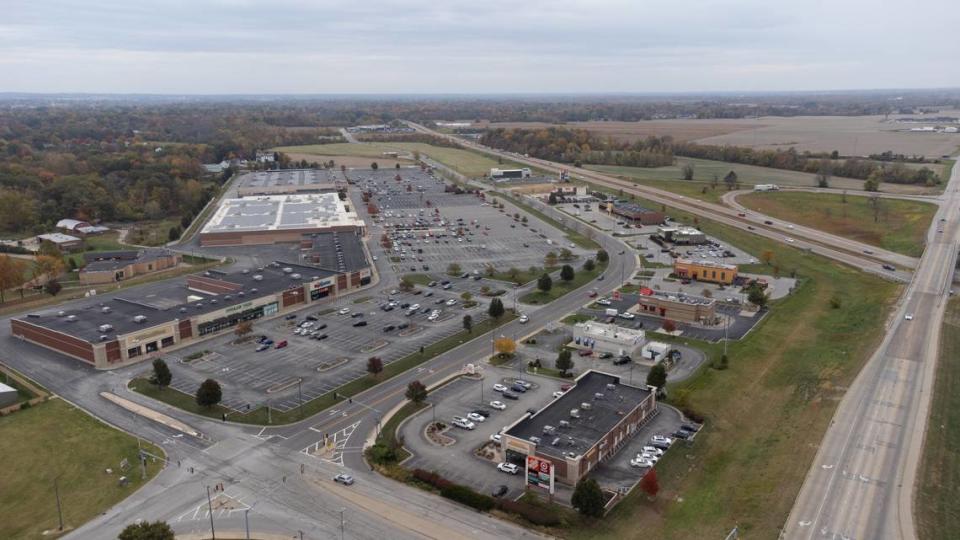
[
  {"x": 610, "y": 331},
  {"x": 280, "y": 212}
]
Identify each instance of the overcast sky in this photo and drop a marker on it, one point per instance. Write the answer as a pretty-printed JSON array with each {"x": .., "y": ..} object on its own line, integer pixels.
[{"x": 478, "y": 46}]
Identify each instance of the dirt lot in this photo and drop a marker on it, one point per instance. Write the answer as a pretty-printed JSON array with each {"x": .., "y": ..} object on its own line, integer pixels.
[{"x": 850, "y": 135}]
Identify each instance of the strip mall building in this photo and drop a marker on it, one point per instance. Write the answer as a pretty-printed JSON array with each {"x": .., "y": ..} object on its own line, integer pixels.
[{"x": 116, "y": 330}]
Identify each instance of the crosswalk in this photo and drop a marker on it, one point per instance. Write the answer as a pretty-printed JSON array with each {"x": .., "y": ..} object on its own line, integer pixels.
[{"x": 332, "y": 446}]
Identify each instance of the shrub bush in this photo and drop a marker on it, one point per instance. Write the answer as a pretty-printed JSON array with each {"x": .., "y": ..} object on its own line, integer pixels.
[
  {"x": 469, "y": 497},
  {"x": 533, "y": 514},
  {"x": 382, "y": 454},
  {"x": 431, "y": 478}
]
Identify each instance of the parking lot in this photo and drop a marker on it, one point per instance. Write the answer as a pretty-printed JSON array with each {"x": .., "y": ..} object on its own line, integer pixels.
[
  {"x": 431, "y": 228},
  {"x": 251, "y": 377},
  {"x": 458, "y": 462}
]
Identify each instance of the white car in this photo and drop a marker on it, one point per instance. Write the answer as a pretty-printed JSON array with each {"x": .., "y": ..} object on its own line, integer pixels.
[
  {"x": 508, "y": 468},
  {"x": 474, "y": 417},
  {"x": 640, "y": 463},
  {"x": 557, "y": 394},
  {"x": 661, "y": 439},
  {"x": 908, "y": 316},
  {"x": 652, "y": 458},
  {"x": 524, "y": 319},
  {"x": 463, "y": 423},
  {"x": 628, "y": 316},
  {"x": 789, "y": 240},
  {"x": 344, "y": 311},
  {"x": 433, "y": 317},
  {"x": 651, "y": 450},
  {"x": 415, "y": 307},
  {"x": 498, "y": 405},
  {"x": 452, "y": 302},
  {"x": 496, "y": 438},
  {"x": 374, "y": 258},
  {"x": 604, "y": 302},
  {"x": 499, "y": 388},
  {"x": 789, "y": 226}
]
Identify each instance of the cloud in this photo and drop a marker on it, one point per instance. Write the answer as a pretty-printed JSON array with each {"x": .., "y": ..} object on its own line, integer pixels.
[{"x": 383, "y": 46}]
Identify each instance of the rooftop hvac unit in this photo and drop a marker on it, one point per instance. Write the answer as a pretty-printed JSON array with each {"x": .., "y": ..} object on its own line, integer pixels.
[
  {"x": 287, "y": 270},
  {"x": 61, "y": 313},
  {"x": 227, "y": 297},
  {"x": 257, "y": 277},
  {"x": 598, "y": 395},
  {"x": 253, "y": 290},
  {"x": 245, "y": 271},
  {"x": 586, "y": 406},
  {"x": 198, "y": 305},
  {"x": 295, "y": 276},
  {"x": 183, "y": 310},
  {"x": 564, "y": 424},
  {"x": 140, "y": 319},
  {"x": 611, "y": 386},
  {"x": 71, "y": 318},
  {"x": 105, "y": 309},
  {"x": 105, "y": 327},
  {"x": 241, "y": 294},
  {"x": 213, "y": 301},
  {"x": 104, "y": 338}
]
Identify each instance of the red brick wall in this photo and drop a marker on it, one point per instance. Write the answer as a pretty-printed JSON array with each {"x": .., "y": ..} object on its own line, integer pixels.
[
  {"x": 185, "y": 329},
  {"x": 113, "y": 351},
  {"x": 54, "y": 340}
]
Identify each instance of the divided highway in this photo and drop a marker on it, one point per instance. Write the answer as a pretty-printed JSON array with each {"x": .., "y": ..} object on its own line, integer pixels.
[{"x": 862, "y": 482}]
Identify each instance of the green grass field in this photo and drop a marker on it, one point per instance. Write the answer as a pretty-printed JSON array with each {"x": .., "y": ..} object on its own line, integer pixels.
[
  {"x": 52, "y": 440},
  {"x": 467, "y": 162},
  {"x": 901, "y": 225},
  {"x": 671, "y": 178},
  {"x": 937, "y": 512},
  {"x": 766, "y": 412},
  {"x": 560, "y": 287}
]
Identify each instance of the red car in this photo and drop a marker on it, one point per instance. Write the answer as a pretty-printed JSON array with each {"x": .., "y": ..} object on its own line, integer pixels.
[
  {"x": 593, "y": 294},
  {"x": 281, "y": 344},
  {"x": 585, "y": 352}
]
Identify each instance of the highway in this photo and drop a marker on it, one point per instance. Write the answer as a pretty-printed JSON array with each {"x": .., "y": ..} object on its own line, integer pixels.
[{"x": 862, "y": 482}]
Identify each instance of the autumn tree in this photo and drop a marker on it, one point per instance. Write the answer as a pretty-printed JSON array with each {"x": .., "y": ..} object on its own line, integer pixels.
[
  {"x": 416, "y": 392},
  {"x": 504, "y": 346},
  {"x": 12, "y": 273},
  {"x": 53, "y": 287},
  {"x": 374, "y": 366},
  {"x": 757, "y": 297},
  {"x": 669, "y": 326},
  {"x": 566, "y": 254},
  {"x": 47, "y": 265},
  {"x": 550, "y": 259},
  {"x": 243, "y": 328},
  {"x": 454, "y": 269},
  {"x": 406, "y": 285},
  {"x": 466, "y": 296},
  {"x": 649, "y": 483},
  {"x": 766, "y": 257}
]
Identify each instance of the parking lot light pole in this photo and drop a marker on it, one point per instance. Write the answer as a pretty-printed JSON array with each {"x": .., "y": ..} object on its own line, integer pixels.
[{"x": 300, "y": 393}]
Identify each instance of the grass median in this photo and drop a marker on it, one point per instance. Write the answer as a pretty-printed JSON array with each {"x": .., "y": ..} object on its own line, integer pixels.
[
  {"x": 560, "y": 288},
  {"x": 260, "y": 416},
  {"x": 767, "y": 411},
  {"x": 938, "y": 516},
  {"x": 56, "y": 441}
]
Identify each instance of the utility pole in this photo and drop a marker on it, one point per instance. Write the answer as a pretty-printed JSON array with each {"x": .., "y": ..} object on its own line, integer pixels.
[
  {"x": 56, "y": 491},
  {"x": 300, "y": 393},
  {"x": 246, "y": 521},
  {"x": 213, "y": 534},
  {"x": 481, "y": 390},
  {"x": 341, "y": 524}
]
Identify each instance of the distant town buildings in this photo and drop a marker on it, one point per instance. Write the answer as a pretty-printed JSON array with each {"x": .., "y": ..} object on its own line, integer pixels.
[{"x": 112, "y": 266}]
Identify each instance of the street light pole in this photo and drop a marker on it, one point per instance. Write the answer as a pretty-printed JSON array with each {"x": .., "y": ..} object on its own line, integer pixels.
[
  {"x": 246, "y": 521},
  {"x": 56, "y": 491},
  {"x": 300, "y": 393},
  {"x": 341, "y": 524},
  {"x": 213, "y": 534}
]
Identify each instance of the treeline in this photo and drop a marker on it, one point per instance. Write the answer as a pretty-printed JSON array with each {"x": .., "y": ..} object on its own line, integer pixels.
[
  {"x": 424, "y": 138},
  {"x": 579, "y": 146}
]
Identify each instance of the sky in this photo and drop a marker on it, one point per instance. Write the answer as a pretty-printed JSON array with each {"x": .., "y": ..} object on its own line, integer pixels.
[{"x": 480, "y": 46}]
